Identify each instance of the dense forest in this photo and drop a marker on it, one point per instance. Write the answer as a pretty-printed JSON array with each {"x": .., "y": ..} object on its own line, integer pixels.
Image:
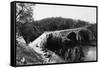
[{"x": 31, "y": 31}]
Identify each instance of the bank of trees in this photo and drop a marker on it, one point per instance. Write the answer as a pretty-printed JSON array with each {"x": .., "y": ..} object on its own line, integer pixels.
[{"x": 31, "y": 31}]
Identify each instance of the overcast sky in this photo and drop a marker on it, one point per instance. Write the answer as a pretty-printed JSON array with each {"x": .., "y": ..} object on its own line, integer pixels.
[{"x": 83, "y": 13}]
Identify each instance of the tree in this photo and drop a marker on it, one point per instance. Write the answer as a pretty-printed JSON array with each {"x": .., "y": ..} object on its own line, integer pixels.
[
  {"x": 81, "y": 23},
  {"x": 24, "y": 12},
  {"x": 93, "y": 28}
]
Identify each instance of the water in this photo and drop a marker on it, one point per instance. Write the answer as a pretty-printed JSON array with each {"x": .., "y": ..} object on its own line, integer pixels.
[{"x": 90, "y": 53}]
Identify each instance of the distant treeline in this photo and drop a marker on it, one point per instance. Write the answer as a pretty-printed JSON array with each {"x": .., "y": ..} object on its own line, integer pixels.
[{"x": 31, "y": 31}]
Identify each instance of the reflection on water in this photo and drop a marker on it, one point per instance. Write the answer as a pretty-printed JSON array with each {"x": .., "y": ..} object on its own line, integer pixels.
[{"x": 90, "y": 53}]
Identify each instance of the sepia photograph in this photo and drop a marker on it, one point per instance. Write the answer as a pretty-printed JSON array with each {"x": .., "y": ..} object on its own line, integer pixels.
[{"x": 55, "y": 33}]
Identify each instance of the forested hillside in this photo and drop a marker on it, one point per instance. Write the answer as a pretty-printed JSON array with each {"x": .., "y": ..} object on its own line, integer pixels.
[{"x": 31, "y": 31}]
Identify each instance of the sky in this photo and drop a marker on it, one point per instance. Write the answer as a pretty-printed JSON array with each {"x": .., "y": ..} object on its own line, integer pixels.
[{"x": 42, "y": 11}]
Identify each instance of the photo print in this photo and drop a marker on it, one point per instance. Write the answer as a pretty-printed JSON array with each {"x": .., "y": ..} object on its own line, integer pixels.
[{"x": 54, "y": 33}]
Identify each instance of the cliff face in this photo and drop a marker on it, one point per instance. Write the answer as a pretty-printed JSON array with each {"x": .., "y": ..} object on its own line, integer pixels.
[{"x": 63, "y": 46}]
